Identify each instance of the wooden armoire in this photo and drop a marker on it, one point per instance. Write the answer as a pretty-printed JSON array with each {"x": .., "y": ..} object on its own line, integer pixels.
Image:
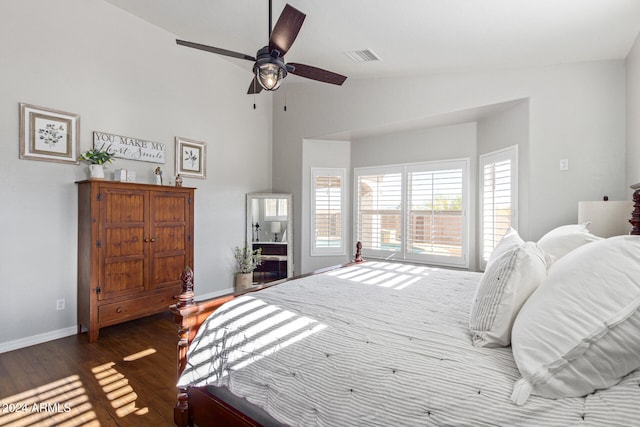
[{"x": 134, "y": 240}]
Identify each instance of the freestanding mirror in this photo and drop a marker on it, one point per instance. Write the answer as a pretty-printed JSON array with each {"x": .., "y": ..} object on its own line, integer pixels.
[{"x": 270, "y": 227}]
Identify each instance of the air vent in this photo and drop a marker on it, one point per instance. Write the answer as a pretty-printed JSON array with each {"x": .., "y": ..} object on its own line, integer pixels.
[{"x": 363, "y": 55}]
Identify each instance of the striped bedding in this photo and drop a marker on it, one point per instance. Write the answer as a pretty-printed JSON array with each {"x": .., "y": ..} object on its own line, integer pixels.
[{"x": 379, "y": 344}]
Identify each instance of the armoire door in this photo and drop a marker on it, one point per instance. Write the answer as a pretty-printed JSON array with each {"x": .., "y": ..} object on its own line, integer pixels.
[
  {"x": 121, "y": 241},
  {"x": 170, "y": 247}
]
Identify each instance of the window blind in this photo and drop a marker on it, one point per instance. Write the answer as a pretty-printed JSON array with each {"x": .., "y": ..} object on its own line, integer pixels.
[
  {"x": 498, "y": 198},
  {"x": 379, "y": 213},
  {"x": 414, "y": 212},
  {"x": 327, "y": 211},
  {"x": 275, "y": 209},
  {"x": 434, "y": 214}
]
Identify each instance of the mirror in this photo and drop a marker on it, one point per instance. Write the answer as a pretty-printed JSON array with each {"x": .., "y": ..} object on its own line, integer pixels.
[{"x": 269, "y": 227}]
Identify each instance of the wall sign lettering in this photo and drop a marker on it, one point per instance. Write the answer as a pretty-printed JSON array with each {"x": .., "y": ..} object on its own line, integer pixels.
[{"x": 130, "y": 148}]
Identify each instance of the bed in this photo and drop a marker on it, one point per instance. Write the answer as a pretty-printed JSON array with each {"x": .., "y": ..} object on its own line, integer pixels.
[{"x": 380, "y": 343}]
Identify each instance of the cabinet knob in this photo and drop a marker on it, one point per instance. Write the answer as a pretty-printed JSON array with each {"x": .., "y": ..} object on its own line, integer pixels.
[
  {"x": 119, "y": 310},
  {"x": 153, "y": 239},
  {"x": 146, "y": 239}
]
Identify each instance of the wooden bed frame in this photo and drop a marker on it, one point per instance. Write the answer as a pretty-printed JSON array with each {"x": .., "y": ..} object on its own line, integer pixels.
[{"x": 197, "y": 406}]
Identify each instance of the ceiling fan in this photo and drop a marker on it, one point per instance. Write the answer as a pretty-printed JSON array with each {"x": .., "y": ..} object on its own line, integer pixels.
[{"x": 269, "y": 68}]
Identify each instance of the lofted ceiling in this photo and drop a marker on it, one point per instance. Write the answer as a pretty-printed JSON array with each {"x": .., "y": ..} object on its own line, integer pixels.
[{"x": 411, "y": 37}]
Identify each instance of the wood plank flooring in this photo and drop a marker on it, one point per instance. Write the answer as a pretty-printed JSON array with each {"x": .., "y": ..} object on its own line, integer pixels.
[{"x": 126, "y": 378}]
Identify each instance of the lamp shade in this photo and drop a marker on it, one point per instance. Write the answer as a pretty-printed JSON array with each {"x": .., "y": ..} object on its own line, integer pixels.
[
  {"x": 276, "y": 227},
  {"x": 608, "y": 218}
]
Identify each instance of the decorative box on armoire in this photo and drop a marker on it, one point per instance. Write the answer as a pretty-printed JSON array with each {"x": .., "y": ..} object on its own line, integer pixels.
[{"x": 134, "y": 240}]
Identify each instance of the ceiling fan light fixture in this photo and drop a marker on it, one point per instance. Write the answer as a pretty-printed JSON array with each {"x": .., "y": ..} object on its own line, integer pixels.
[
  {"x": 269, "y": 69},
  {"x": 270, "y": 75}
]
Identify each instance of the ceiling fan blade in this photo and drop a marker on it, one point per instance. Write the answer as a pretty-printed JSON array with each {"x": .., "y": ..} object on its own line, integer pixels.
[
  {"x": 254, "y": 87},
  {"x": 217, "y": 50},
  {"x": 286, "y": 29},
  {"x": 318, "y": 74}
]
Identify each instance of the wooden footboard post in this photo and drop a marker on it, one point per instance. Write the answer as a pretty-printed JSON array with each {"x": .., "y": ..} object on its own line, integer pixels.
[
  {"x": 635, "y": 215},
  {"x": 185, "y": 300}
]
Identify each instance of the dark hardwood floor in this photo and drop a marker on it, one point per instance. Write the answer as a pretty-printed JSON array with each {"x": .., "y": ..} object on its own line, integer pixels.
[{"x": 126, "y": 378}]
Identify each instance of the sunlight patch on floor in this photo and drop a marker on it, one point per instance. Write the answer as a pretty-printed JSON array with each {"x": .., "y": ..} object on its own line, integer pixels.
[
  {"x": 139, "y": 355},
  {"x": 117, "y": 390},
  {"x": 59, "y": 403}
]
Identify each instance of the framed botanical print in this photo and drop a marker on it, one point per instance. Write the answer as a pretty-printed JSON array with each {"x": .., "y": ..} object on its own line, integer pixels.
[
  {"x": 191, "y": 158},
  {"x": 49, "y": 135}
]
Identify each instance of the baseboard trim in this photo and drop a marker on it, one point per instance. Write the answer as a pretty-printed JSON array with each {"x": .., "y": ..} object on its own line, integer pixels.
[
  {"x": 37, "y": 339},
  {"x": 61, "y": 333}
]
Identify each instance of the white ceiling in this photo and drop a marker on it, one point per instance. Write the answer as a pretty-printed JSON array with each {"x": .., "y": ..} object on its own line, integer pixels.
[{"x": 412, "y": 37}]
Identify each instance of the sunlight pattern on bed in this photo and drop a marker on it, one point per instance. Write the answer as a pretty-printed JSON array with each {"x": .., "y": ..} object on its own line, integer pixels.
[
  {"x": 385, "y": 274},
  {"x": 263, "y": 330}
]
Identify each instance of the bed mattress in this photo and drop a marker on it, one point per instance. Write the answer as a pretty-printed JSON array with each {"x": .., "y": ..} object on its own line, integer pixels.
[{"x": 379, "y": 344}]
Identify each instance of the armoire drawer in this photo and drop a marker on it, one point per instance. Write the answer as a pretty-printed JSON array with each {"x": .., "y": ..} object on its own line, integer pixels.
[{"x": 112, "y": 313}]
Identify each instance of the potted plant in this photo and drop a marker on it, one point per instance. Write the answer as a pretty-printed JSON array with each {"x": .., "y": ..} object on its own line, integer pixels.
[
  {"x": 97, "y": 158},
  {"x": 247, "y": 260}
]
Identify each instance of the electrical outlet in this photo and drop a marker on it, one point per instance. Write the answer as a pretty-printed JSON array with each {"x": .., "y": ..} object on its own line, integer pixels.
[{"x": 60, "y": 304}]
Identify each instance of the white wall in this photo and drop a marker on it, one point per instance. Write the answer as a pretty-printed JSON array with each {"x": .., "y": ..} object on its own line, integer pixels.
[
  {"x": 420, "y": 145},
  {"x": 501, "y": 130},
  {"x": 576, "y": 111},
  {"x": 633, "y": 114},
  {"x": 123, "y": 76}
]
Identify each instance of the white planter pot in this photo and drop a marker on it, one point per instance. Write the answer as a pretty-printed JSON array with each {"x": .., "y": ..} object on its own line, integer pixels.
[
  {"x": 243, "y": 281},
  {"x": 96, "y": 171}
]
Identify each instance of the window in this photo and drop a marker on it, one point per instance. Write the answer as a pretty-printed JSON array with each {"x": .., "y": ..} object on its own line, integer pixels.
[
  {"x": 327, "y": 219},
  {"x": 275, "y": 209},
  {"x": 435, "y": 212},
  {"x": 379, "y": 211},
  {"x": 415, "y": 212},
  {"x": 498, "y": 198}
]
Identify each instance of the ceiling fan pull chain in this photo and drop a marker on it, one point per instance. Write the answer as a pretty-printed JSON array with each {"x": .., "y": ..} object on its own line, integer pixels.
[
  {"x": 285, "y": 98},
  {"x": 254, "y": 94}
]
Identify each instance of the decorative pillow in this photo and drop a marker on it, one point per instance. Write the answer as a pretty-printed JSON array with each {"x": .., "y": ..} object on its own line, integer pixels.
[
  {"x": 510, "y": 240},
  {"x": 506, "y": 284},
  {"x": 579, "y": 332},
  {"x": 562, "y": 240}
]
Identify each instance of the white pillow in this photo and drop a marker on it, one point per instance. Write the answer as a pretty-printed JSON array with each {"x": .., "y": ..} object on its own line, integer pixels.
[
  {"x": 562, "y": 240},
  {"x": 506, "y": 284},
  {"x": 580, "y": 331},
  {"x": 510, "y": 240}
]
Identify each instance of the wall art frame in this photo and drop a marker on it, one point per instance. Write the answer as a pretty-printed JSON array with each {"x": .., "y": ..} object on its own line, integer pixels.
[
  {"x": 49, "y": 135},
  {"x": 191, "y": 158}
]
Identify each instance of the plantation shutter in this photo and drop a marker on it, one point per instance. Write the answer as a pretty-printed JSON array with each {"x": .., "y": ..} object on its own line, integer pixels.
[
  {"x": 414, "y": 212},
  {"x": 327, "y": 211},
  {"x": 275, "y": 209},
  {"x": 434, "y": 216},
  {"x": 379, "y": 211},
  {"x": 498, "y": 198}
]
